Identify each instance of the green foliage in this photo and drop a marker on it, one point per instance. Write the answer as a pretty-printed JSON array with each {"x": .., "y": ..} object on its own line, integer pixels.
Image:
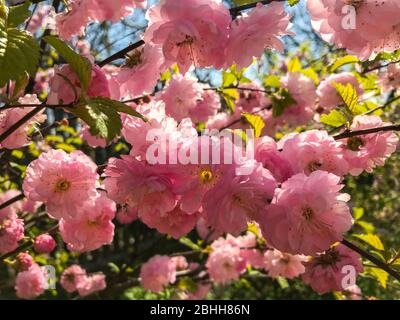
[
  {"x": 280, "y": 101},
  {"x": 335, "y": 119},
  {"x": 19, "y": 51},
  {"x": 256, "y": 122},
  {"x": 80, "y": 65},
  {"x": 371, "y": 239},
  {"x": 342, "y": 61}
]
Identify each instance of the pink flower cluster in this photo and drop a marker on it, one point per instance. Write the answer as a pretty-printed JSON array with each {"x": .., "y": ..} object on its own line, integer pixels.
[
  {"x": 364, "y": 28},
  {"x": 67, "y": 184},
  {"x": 76, "y": 279},
  {"x": 80, "y": 12}
]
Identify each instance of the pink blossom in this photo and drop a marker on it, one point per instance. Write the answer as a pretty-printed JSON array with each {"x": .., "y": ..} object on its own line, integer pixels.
[
  {"x": 180, "y": 262},
  {"x": 23, "y": 261},
  {"x": 308, "y": 214},
  {"x": 235, "y": 200},
  {"x": 157, "y": 273},
  {"x": 31, "y": 283},
  {"x": 74, "y": 21},
  {"x": 44, "y": 243},
  {"x": 201, "y": 292},
  {"x": 91, "y": 284},
  {"x": 325, "y": 272},
  {"x": 91, "y": 140},
  {"x": 266, "y": 152},
  {"x": 253, "y": 257},
  {"x": 206, "y": 107},
  {"x": 377, "y": 25},
  {"x": 253, "y": 98},
  {"x": 280, "y": 264},
  {"x": 102, "y": 10},
  {"x": 365, "y": 152},
  {"x": 225, "y": 262},
  {"x": 190, "y": 32},
  {"x": 205, "y": 231},
  {"x": 42, "y": 18},
  {"x": 180, "y": 96},
  {"x": 175, "y": 223},
  {"x": 30, "y": 206},
  {"x": 141, "y": 71},
  {"x": 72, "y": 278},
  {"x": 63, "y": 181},
  {"x": 390, "y": 79},
  {"x": 327, "y": 93},
  {"x": 127, "y": 215},
  {"x": 314, "y": 150},
  {"x": 11, "y": 232},
  {"x": 251, "y": 33},
  {"x": 92, "y": 228},
  {"x": 9, "y": 117},
  {"x": 354, "y": 292},
  {"x": 61, "y": 90},
  {"x": 302, "y": 90},
  {"x": 11, "y": 210}
]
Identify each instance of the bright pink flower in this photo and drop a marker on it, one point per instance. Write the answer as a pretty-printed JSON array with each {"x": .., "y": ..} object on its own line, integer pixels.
[
  {"x": 251, "y": 33},
  {"x": 141, "y": 185},
  {"x": 180, "y": 96},
  {"x": 92, "y": 227},
  {"x": 225, "y": 262},
  {"x": 266, "y": 152},
  {"x": 23, "y": 261},
  {"x": 63, "y": 181},
  {"x": 9, "y": 117},
  {"x": 11, "y": 232},
  {"x": 91, "y": 140},
  {"x": 376, "y": 25},
  {"x": 180, "y": 262},
  {"x": 252, "y": 99},
  {"x": 157, "y": 273},
  {"x": 314, "y": 150},
  {"x": 302, "y": 90},
  {"x": 325, "y": 272},
  {"x": 61, "y": 90},
  {"x": 308, "y": 214},
  {"x": 72, "y": 278},
  {"x": 102, "y": 10},
  {"x": 127, "y": 215},
  {"x": 253, "y": 257},
  {"x": 11, "y": 210},
  {"x": 73, "y": 21},
  {"x": 44, "y": 243},
  {"x": 30, "y": 206},
  {"x": 205, "y": 231},
  {"x": 42, "y": 18},
  {"x": 175, "y": 223},
  {"x": 190, "y": 32},
  {"x": 327, "y": 93},
  {"x": 91, "y": 284},
  {"x": 206, "y": 107},
  {"x": 235, "y": 200},
  {"x": 141, "y": 71},
  {"x": 354, "y": 292},
  {"x": 31, "y": 283},
  {"x": 280, "y": 264},
  {"x": 201, "y": 292},
  {"x": 390, "y": 79},
  {"x": 365, "y": 152}
]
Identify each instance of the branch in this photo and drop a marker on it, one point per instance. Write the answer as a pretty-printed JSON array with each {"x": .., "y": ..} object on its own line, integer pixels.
[
  {"x": 371, "y": 258},
  {"x": 349, "y": 134},
  {"x": 236, "y": 10},
  {"x": 11, "y": 201},
  {"x": 19, "y": 123}
]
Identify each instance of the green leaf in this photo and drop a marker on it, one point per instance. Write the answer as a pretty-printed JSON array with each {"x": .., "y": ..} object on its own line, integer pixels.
[
  {"x": 379, "y": 274},
  {"x": 281, "y": 101},
  {"x": 18, "y": 14},
  {"x": 230, "y": 96},
  {"x": 367, "y": 226},
  {"x": 189, "y": 243},
  {"x": 349, "y": 96},
  {"x": 293, "y": 2},
  {"x": 228, "y": 79},
  {"x": 80, "y": 65},
  {"x": 256, "y": 122},
  {"x": 101, "y": 115},
  {"x": 343, "y": 61},
  {"x": 294, "y": 65},
  {"x": 272, "y": 81},
  {"x": 187, "y": 284},
  {"x": 358, "y": 213},
  {"x": 283, "y": 283},
  {"x": 371, "y": 239},
  {"x": 19, "y": 53},
  {"x": 310, "y": 73}
]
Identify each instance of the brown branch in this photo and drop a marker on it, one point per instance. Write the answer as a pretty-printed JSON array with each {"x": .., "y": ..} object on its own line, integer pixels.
[
  {"x": 349, "y": 134},
  {"x": 371, "y": 258},
  {"x": 19, "y": 123},
  {"x": 11, "y": 201}
]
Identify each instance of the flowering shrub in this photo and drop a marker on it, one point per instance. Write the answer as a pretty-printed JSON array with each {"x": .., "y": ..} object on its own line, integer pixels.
[{"x": 216, "y": 151}]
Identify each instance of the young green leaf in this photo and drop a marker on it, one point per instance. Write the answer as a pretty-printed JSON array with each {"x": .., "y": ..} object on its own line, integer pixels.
[
  {"x": 371, "y": 239},
  {"x": 256, "y": 122},
  {"x": 343, "y": 61},
  {"x": 334, "y": 118}
]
